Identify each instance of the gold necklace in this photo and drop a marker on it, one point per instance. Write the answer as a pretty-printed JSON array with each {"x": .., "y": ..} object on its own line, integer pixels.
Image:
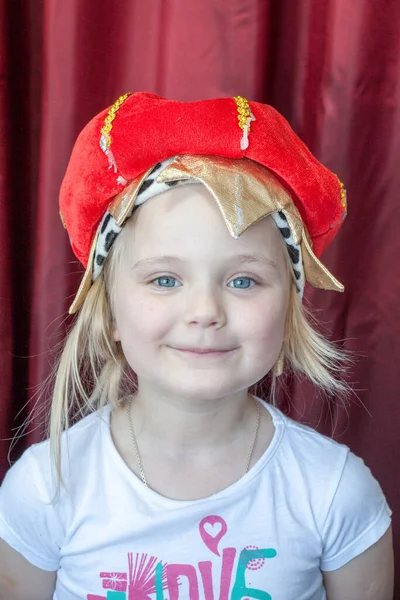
[{"x": 136, "y": 448}]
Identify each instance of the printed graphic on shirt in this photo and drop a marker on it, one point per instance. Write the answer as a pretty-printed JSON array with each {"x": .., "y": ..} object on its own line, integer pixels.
[
  {"x": 138, "y": 583},
  {"x": 148, "y": 577}
]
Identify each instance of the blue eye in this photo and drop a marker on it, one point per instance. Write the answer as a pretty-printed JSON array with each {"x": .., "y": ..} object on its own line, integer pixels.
[
  {"x": 241, "y": 283},
  {"x": 166, "y": 282}
]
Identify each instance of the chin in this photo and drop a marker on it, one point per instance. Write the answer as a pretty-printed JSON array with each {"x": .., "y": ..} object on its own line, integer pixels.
[{"x": 205, "y": 388}]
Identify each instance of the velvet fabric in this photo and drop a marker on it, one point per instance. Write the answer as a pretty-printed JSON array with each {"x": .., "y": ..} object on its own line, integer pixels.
[{"x": 147, "y": 129}]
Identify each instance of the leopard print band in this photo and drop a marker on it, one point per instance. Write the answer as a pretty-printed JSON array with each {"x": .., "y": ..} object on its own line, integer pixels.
[{"x": 150, "y": 187}]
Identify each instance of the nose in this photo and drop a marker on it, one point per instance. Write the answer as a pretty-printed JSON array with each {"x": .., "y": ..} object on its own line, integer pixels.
[{"x": 205, "y": 308}]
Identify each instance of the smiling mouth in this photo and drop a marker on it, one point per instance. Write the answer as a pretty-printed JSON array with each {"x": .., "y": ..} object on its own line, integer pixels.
[{"x": 204, "y": 351}]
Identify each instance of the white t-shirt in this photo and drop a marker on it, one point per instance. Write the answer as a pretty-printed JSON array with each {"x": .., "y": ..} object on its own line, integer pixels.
[{"x": 307, "y": 504}]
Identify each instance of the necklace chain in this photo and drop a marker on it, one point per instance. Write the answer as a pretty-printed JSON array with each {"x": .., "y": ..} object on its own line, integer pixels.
[
  {"x": 134, "y": 442},
  {"x": 136, "y": 448}
]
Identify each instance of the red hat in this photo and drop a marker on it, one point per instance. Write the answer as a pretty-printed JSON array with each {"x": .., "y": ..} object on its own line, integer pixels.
[{"x": 122, "y": 143}]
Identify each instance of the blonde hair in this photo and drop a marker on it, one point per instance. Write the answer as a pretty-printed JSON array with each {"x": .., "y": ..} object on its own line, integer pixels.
[{"x": 92, "y": 370}]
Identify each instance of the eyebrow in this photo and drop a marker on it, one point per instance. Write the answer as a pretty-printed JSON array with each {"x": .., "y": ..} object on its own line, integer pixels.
[
  {"x": 241, "y": 258},
  {"x": 147, "y": 262},
  {"x": 255, "y": 258}
]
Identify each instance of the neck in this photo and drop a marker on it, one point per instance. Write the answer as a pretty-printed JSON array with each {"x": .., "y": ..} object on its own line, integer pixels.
[{"x": 187, "y": 423}]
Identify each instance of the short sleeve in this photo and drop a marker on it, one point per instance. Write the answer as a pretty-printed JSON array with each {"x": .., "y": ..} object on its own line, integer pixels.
[
  {"x": 27, "y": 518},
  {"x": 357, "y": 518}
]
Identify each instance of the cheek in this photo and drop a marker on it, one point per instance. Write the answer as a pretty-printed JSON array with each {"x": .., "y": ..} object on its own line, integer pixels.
[
  {"x": 139, "y": 320},
  {"x": 264, "y": 324}
]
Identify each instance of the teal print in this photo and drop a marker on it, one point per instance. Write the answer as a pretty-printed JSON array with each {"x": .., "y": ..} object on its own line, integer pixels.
[
  {"x": 239, "y": 589},
  {"x": 159, "y": 582}
]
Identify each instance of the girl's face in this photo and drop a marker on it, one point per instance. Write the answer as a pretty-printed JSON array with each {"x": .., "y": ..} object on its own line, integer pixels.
[{"x": 199, "y": 314}]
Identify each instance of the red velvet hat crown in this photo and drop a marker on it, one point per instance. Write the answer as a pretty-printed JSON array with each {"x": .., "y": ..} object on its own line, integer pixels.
[{"x": 142, "y": 129}]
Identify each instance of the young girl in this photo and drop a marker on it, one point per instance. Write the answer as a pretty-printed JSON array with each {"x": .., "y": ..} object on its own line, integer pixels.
[{"x": 198, "y": 224}]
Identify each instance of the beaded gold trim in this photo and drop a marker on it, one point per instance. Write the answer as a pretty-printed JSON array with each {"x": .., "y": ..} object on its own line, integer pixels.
[
  {"x": 343, "y": 195},
  {"x": 245, "y": 116},
  {"x": 243, "y": 109},
  {"x": 105, "y": 138},
  {"x": 107, "y": 126}
]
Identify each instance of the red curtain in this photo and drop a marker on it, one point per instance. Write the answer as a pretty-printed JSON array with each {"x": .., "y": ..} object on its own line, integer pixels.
[{"x": 330, "y": 66}]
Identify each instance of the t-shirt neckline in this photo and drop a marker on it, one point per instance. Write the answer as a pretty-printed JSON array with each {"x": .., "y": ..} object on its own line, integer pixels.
[{"x": 155, "y": 497}]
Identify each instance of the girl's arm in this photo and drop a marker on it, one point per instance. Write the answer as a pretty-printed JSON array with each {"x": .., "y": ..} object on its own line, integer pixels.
[
  {"x": 20, "y": 580},
  {"x": 369, "y": 576}
]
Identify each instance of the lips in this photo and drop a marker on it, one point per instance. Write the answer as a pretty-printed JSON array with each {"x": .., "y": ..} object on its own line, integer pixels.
[{"x": 204, "y": 350}]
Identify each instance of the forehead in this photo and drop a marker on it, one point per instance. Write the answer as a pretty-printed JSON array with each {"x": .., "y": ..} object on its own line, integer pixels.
[{"x": 187, "y": 219}]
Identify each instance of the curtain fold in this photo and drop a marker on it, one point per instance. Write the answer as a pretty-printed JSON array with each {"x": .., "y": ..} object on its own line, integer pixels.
[{"x": 331, "y": 67}]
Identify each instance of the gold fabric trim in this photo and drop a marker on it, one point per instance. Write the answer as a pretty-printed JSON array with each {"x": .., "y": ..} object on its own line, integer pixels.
[
  {"x": 245, "y": 193},
  {"x": 86, "y": 281},
  {"x": 123, "y": 203},
  {"x": 316, "y": 273}
]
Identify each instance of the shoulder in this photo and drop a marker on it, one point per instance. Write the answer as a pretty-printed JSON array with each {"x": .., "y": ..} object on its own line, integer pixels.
[
  {"x": 79, "y": 445},
  {"x": 319, "y": 455},
  {"x": 321, "y": 459},
  {"x": 307, "y": 452},
  {"x": 347, "y": 501},
  {"x": 34, "y": 522},
  {"x": 83, "y": 434},
  {"x": 357, "y": 516}
]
